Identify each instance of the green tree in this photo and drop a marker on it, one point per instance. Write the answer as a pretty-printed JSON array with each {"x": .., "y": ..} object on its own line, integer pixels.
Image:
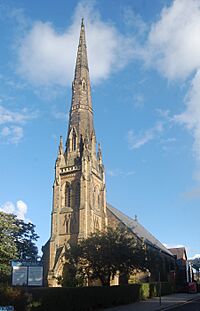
[
  {"x": 17, "y": 241},
  {"x": 103, "y": 255},
  {"x": 8, "y": 248},
  {"x": 25, "y": 239}
]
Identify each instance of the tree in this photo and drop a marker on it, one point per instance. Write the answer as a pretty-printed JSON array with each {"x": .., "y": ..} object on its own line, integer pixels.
[
  {"x": 17, "y": 241},
  {"x": 159, "y": 264},
  {"x": 103, "y": 255},
  {"x": 25, "y": 239},
  {"x": 8, "y": 248}
]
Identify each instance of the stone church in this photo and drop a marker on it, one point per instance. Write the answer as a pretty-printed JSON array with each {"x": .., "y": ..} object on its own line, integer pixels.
[{"x": 79, "y": 190}]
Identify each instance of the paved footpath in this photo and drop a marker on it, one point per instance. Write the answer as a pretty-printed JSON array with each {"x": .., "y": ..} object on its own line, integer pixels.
[{"x": 167, "y": 302}]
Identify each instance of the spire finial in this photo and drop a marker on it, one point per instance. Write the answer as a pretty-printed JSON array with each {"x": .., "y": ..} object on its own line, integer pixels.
[{"x": 82, "y": 22}]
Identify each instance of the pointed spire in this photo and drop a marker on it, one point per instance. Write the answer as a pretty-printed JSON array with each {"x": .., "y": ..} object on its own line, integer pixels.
[
  {"x": 60, "y": 150},
  {"x": 81, "y": 114},
  {"x": 81, "y": 60}
]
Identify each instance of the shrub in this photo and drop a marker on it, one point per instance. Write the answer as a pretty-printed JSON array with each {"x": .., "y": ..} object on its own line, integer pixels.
[
  {"x": 144, "y": 291},
  {"x": 13, "y": 296}
]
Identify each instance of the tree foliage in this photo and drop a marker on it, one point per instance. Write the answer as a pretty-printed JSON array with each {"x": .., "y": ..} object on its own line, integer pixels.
[
  {"x": 17, "y": 241},
  {"x": 25, "y": 239},
  {"x": 159, "y": 264},
  {"x": 103, "y": 255}
]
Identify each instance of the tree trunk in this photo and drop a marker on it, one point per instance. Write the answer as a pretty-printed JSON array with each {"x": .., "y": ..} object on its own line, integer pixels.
[{"x": 105, "y": 280}]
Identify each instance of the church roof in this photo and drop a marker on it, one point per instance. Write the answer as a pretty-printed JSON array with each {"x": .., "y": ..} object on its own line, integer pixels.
[
  {"x": 179, "y": 252},
  {"x": 138, "y": 229}
]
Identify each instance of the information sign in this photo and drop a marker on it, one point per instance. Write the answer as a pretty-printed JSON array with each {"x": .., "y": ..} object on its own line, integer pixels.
[
  {"x": 35, "y": 276},
  {"x": 19, "y": 275},
  {"x": 27, "y": 273}
]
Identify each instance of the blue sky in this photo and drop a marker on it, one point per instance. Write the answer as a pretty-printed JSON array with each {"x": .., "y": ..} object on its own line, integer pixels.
[{"x": 144, "y": 59}]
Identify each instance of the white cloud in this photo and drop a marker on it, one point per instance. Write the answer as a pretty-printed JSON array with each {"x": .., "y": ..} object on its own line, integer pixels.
[
  {"x": 136, "y": 141},
  {"x": 11, "y": 134},
  {"x": 7, "y": 207},
  {"x": 17, "y": 134},
  {"x": 11, "y": 122},
  {"x": 174, "y": 43},
  {"x": 8, "y": 116},
  {"x": 20, "y": 209},
  {"x": 193, "y": 194},
  {"x": 195, "y": 256},
  {"x": 191, "y": 116},
  {"x": 133, "y": 20},
  {"x": 5, "y": 131},
  {"x": 173, "y": 48},
  {"x": 47, "y": 56}
]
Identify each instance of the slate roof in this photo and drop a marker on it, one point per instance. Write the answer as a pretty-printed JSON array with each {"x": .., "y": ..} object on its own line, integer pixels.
[{"x": 138, "y": 229}]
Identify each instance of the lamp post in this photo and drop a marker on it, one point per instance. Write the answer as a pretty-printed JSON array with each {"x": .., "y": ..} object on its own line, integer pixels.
[
  {"x": 159, "y": 284},
  {"x": 159, "y": 278}
]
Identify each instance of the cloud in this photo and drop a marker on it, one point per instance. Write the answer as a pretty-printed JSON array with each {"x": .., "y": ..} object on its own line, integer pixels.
[
  {"x": 195, "y": 256},
  {"x": 136, "y": 141},
  {"x": 117, "y": 172},
  {"x": 8, "y": 116},
  {"x": 193, "y": 194},
  {"x": 47, "y": 56},
  {"x": 191, "y": 116},
  {"x": 133, "y": 20},
  {"x": 11, "y": 122},
  {"x": 173, "y": 44},
  {"x": 173, "y": 48},
  {"x": 59, "y": 115},
  {"x": 138, "y": 100},
  {"x": 12, "y": 134},
  {"x": 20, "y": 209}
]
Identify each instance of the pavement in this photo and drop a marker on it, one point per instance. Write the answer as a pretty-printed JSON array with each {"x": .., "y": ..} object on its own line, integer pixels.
[{"x": 153, "y": 304}]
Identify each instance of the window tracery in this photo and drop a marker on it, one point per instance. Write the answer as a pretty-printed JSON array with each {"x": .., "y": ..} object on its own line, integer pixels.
[{"x": 67, "y": 195}]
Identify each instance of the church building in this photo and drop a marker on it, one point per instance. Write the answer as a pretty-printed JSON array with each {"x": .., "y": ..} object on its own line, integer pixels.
[{"x": 79, "y": 190}]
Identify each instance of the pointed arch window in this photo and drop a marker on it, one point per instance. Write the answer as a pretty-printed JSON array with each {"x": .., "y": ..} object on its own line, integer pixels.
[{"x": 68, "y": 195}]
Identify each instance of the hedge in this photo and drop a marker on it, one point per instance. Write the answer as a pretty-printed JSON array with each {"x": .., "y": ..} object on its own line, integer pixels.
[
  {"x": 83, "y": 298},
  {"x": 79, "y": 299},
  {"x": 92, "y": 298}
]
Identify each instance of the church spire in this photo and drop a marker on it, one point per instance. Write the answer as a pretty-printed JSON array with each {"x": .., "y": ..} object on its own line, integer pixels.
[
  {"x": 81, "y": 114},
  {"x": 81, "y": 60}
]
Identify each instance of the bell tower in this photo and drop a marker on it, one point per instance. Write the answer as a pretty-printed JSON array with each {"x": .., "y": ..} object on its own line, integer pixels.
[{"x": 79, "y": 193}]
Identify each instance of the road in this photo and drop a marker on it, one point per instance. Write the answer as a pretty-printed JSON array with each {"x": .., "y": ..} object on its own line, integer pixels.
[{"x": 189, "y": 306}]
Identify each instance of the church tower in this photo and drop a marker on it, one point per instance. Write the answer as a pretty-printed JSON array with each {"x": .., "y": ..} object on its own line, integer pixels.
[{"x": 79, "y": 193}]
